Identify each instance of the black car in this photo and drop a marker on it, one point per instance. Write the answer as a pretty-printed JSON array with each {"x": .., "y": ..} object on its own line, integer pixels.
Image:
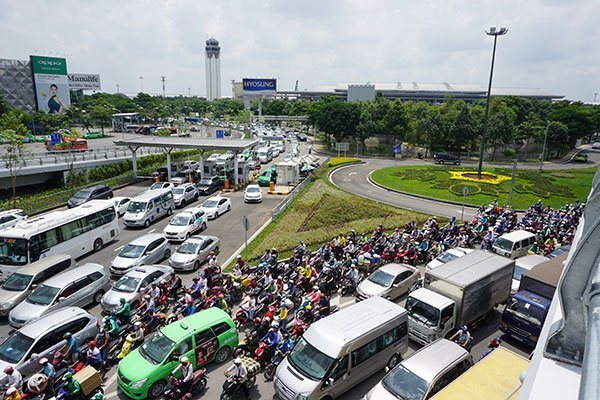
[
  {"x": 90, "y": 193},
  {"x": 446, "y": 158},
  {"x": 210, "y": 185},
  {"x": 162, "y": 174}
]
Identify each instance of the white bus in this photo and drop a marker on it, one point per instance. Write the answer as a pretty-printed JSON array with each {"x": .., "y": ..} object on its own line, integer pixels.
[{"x": 76, "y": 232}]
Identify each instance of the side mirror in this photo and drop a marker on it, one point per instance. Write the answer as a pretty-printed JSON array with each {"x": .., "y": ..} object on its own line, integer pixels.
[
  {"x": 330, "y": 381},
  {"x": 61, "y": 299},
  {"x": 34, "y": 286}
]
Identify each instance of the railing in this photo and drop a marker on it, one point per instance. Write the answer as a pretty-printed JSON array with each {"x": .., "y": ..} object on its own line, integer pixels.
[{"x": 290, "y": 197}]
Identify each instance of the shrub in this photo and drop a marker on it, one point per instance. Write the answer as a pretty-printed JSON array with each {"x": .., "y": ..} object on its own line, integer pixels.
[{"x": 336, "y": 161}]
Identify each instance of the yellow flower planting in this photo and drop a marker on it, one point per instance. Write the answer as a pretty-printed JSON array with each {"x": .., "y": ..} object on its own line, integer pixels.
[{"x": 486, "y": 177}]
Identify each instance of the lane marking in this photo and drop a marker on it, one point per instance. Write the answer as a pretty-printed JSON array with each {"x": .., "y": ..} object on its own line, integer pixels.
[
  {"x": 119, "y": 248},
  {"x": 352, "y": 173},
  {"x": 151, "y": 230}
]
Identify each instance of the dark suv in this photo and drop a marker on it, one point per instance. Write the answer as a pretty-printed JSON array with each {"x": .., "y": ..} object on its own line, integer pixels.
[
  {"x": 90, "y": 193},
  {"x": 210, "y": 185},
  {"x": 446, "y": 158}
]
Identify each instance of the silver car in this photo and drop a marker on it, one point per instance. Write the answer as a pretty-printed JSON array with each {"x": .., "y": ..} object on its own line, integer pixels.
[
  {"x": 79, "y": 286},
  {"x": 151, "y": 248},
  {"x": 390, "y": 281},
  {"x": 42, "y": 338},
  {"x": 131, "y": 286},
  {"x": 185, "y": 194},
  {"x": 193, "y": 252}
]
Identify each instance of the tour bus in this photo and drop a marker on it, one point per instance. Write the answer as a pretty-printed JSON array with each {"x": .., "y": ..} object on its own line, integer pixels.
[{"x": 76, "y": 232}]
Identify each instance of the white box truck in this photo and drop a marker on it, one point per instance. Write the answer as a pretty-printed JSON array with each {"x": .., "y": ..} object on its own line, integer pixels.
[{"x": 461, "y": 292}]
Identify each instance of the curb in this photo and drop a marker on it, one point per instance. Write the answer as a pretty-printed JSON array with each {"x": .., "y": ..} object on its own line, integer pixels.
[{"x": 278, "y": 193}]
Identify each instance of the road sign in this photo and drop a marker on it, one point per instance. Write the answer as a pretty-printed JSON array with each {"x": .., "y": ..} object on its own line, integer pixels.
[
  {"x": 220, "y": 134},
  {"x": 245, "y": 223},
  {"x": 342, "y": 146},
  {"x": 54, "y": 138},
  {"x": 397, "y": 148}
]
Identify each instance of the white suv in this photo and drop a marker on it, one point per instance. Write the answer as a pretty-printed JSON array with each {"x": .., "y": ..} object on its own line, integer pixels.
[
  {"x": 185, "y": 194},
  {"x": 185, "y": 224}
]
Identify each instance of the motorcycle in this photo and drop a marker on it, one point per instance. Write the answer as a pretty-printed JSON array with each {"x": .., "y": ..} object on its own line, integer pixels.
[
  {"x": 262, "y": 354},
  {"x": 232, "y": 387},
  {"x": 347, "y": 287},
  {"x": 174, "y": 390},
  {"x": 247, "y": 346},
  {"x": 241, "y": 318},
  {"x": 271, "y": 367},
  {"x": 128, "y": 345}
]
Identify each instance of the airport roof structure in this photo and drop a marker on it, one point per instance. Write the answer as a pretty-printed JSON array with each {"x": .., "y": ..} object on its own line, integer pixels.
[{"x": 169, "y": 142}]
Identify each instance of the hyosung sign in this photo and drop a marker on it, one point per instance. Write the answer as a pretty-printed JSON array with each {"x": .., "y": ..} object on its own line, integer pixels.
[{"x": 259, "y": 86}]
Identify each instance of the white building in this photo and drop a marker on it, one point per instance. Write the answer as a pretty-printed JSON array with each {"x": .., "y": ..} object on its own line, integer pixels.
[{"x": 213, "y": 69}]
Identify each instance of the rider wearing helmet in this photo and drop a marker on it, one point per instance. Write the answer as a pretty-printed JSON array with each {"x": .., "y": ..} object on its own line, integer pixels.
[
  {"x": 238, "y": 373},
  {"x": 50, "y": 372},
  {"x": 15, "y": 379},
  {"x": 71, "y": 348},
  {"x": 110, "y": 326},
  {"x": 123, "y": 312},
  {"x": 71, "y": 385},
  {"x": 138, "y": 332},
  {"x": 94, "y": 357},
  {"x": 462, "y": 337},
  {"x": 187, "y": 373},
  {"x": 12, "y": 393}
]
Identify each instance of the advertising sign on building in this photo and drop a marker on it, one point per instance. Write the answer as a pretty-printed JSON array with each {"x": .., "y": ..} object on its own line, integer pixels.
[
  {"x": 51, "y": 84},
  {"x": 84, "y": 81},
  {"x": 259, "y": 86}
]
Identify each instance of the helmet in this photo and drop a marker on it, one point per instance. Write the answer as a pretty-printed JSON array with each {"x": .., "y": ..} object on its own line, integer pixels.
[
  {"x": 11, "y": 390},
  {"x": 163, "y": 281},
  {"x": 315, "y": 288},
  {"x": 184, "y": 360},
  {"x": 239, "y": 257},
  {"x": 43, "y": 361},
  {"x": 237, "y": 361},
  {"x": 8, "y": 369},
  {"x": 272, "y": 329},
  {"x": 463, "y": 328},
  {"x": 98, "y": 396},
  {"x": 67, "y": 336},
  {"x": 68, "y": 375},
  {"x": 147, "y": 296},
  {"x": 137, "y": 324},
  {"x": 122, "y": 300},
  {"x": 92, "y": 343},
  {"x": 187, "y": 396}
]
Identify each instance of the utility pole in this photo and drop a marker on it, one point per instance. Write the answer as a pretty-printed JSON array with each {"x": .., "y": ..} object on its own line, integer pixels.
[
  {"x": 595, "y": 96},
  {"x": 117, "y": 88},
  {"x": 189, "y": 91},
  {"x": 141, "y": 84},
  {"x": 162, "y": 78},
  {"x": 296, "y": 87}
]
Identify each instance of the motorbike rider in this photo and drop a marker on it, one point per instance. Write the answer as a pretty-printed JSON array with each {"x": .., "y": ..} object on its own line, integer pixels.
[
  {"x": 15, "y": 379},
  {"x": 138, "y": 332},
  {"x": 123, "y": 312},
  {"x": 70, "y": 350},
  {"x": 12, "y": 393},
  {"x": 71, "y": 386},
  {"x": 271, "y": 338},
  {"x": 110, "y": 326},
  {"x": 238, "y": 267},
  {"x": 103, "y": 342},
  {"x": 283, "y": 314},
  {"x": 98, "y": 396},
  {"x": 187, "y": 374},
  {"x": 154, "y": 292},
  {"x": 324, "y": 305},
  {"x": 196, "y": 288},
  {"x": 239, "y": 374},
  {"x": 462, "y": 337},
  {"x": 93, "y": 355},
  {"x": 189, "y": 308},
  {"x": 50, "y": 372},
  {"x": 174, "y": 284}
]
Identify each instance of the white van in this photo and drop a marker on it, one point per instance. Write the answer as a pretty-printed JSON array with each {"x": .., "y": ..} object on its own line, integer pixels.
[
  {"x": 265, "y": 155},
  {"x": 148, "y": 207},
  {"x": 514, "y": 244},
  {"x": 339, "y": 351}
]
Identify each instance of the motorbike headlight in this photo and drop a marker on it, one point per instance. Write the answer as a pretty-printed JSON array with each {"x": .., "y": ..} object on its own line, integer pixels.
[{"x": 139, "y": 384}]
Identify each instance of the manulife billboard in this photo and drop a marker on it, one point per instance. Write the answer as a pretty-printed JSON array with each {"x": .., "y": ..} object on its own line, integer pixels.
[{"x": 51, "y": 84}]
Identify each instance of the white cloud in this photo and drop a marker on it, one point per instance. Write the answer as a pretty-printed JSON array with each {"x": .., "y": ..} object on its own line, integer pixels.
[{"x": 552, "y": 45}]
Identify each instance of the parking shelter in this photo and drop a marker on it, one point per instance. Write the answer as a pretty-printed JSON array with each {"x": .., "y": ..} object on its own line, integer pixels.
[{"x": 168, "y": 144}]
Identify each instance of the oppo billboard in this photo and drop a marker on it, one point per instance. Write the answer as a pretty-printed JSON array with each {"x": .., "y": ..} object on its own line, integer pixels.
[
  {"x": 51, "y": 84},
  {"x": 259, "y": 86}
]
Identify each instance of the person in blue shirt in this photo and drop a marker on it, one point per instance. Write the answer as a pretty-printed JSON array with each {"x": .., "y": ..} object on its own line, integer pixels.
[
  {"x": 271, "y": 338},
  {"x": 71, "y": 348}
]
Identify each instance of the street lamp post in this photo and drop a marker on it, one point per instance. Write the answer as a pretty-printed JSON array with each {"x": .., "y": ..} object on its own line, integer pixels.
[
  {"x": 141, "y": 84},
  {"x": 495, "y": 33}
]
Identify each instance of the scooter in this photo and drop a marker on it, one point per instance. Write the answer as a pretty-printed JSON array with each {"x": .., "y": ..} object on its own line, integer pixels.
[
  {"x": 128, "y": 345},
  {"x": 174, "y": 390},
  {"x": 232, "y": 386},
  {"x": 271, "y": 367}
]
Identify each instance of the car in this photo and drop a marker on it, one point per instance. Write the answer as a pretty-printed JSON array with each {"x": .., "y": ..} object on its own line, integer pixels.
[
  {"x": 185, "y": 224},
  {"x": 265, "y": 154},
  {"x": 264, "y": 179},
  {"x": 193, "y": 252},
  {"x": 184, "y": 176},
  {"x": 10, "y": 218},
  {"x": 446, "y": 158},
  {"x": 121, "y": 204},
  {"x": 162, "y": 173},
  {"x": 150, "y": 248},
  {"x": 596, "y": 146},
  {"x": 276, "y": 151},
  {"x": 447, "y": 256},
  {"x": 389, "y": 281},
  {"x": 209, "y": 185},
  {"x": 557, "y": 252},
  {"x": 78, "y": 286},
  {"x": 161, "y": 185},
  {"x": 302, "y": 137},
  {"x": 253, "y": 194},
  {"x": 131, "y": 286},
  {"x": 191, "y": 164},
  {"x": 42, "y": 338},
  {"x": 90, "y": 193},
  {"x": 215, "y": 206},
  {"x": 185, "y": 194}
]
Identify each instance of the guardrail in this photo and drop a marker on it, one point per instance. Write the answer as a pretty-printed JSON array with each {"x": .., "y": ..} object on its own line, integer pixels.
[{"x": 291, "y": 196}]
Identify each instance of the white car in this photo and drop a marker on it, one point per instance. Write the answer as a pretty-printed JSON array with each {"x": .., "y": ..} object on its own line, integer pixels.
[
  {"x": 596, "y": 146},
  {"x": 162, "y": 185},
  {"x": 447, "y": 256},
  {"x": 253, "y": 194},
  {"x": 185, "y": 224},
  {"x": 121, "y": 204},
  {"x": 10, "y": 218},
  {"x": 215, "y": 206},
  {"x": 185, "y": 194},
  {"x": 191, "y": 164}
]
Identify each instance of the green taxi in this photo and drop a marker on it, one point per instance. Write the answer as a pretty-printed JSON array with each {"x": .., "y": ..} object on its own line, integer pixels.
[
  {"x": 208, "y": 335},
  {"x": 264, "y": 179}
]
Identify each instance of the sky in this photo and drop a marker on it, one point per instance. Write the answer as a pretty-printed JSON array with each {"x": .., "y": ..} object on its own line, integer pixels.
[{"x": 553, "y": 44}]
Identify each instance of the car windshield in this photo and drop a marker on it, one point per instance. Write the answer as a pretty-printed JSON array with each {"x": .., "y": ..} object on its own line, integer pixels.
[
  {"x": 15, "y": 347},
  {"x": 136, "y": 206},
  {"x": 210, "y": 203},
  {"x": 82, "y": 194},
  {"x": 188, "y": 248},
  {"x": 179, "y": 190},
  {"x": 127, "y": 284},
  {"x": 422, "y": 312},
  {"x": 131, "y": 251},
  {"x": 17, "y": 282},
  {"x": 310, "y": 361},
  {"x": 43, "y": 295},
  {"x": 446, "y": 257},
  {"x": 156, "y": 347},
  {"x": 180, "y": 220},
  {"x": 404, "y": 384},
  {"x": 526, "y": 311},
  {"x": 253, "y": 190},
  {"x": 205, "y": 182},
  {"x": 381, "y": 278},
  {"x": 503, "y": 244},
  {"x": 157, "y": 185},
  {"x": 13, "y": 251}
]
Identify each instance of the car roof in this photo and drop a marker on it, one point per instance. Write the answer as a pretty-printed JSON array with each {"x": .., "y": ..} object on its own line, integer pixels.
[
  {"x": 146, "y": 239},
  {"x": 10, "y": 212},
  {"x": 428, "y": 362},
  {"x": 95, "y": 187},
  {"x": 43, "y": 263},
  {"x": 517, "y": 235},
  {"x": 55, "y": 318},
  {"x": 195, "y": 322},
  {"x": 203, "y": 237},
  {"x": 65, "y": 278},
  {"x": 396, "y": 269},
  {"x": 145, "y": 270}
]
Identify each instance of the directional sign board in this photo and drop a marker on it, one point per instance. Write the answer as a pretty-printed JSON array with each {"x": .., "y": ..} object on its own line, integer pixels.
[
  {"x": 220, "y": 134},
  {"x": 54, "y": 138},
  {"x": 397, "y": 149}
]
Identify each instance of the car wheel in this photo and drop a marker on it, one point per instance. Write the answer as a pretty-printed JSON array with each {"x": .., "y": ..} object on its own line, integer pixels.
[
  {"x": 204, "y": 226},
  {"x": 229, "y": 207},
  {"x": 222, "y": 355},
  {"x": 217, "y": 250},
  {"x": 157, "y": 389},
  {"x": 146, "y": 223},
  {"x": 169, "y": 211},
  {"x": 98, "y": 244},
  {"x": 98, "y": 296},
  {"x": 183, "y": 203},
  {"x": 187, "y": 236},
  {"x": 196, "y": 265},
  {"x": 167, "y": 254},
  {"x": 394, "y": 360},
  {"x": 196, "y": 197},
  {"x": 216, "y": 215}
]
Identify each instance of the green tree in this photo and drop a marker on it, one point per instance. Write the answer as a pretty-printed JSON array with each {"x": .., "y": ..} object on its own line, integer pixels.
[
  {"x": 101, "y": 113},
  {"x": 336, "y": 118},
  {"x": 396, "y": 120},
  {"x": 12, "y": 131},
  {"x": 501, "y": 129},
  {"x": 557, "y": 138}
]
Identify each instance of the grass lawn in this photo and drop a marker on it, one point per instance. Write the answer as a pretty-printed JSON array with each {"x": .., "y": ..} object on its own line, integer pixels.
[
  {"x": 321, "y": 212},
  {"x": 553, "y": 187}
]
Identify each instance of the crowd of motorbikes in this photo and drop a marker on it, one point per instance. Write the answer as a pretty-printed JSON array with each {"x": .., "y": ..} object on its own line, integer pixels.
[{"x": 276, "y": 300}]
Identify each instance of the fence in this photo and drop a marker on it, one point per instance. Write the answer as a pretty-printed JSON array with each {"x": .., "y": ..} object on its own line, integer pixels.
[{"x": 290, "y": 197}]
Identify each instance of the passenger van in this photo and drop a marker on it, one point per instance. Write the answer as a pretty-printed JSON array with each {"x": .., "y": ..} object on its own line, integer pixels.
[
  {"x": 265, "y": 155},
  {"x": 424, "y": 374},
  {"x": 205, "y": 336},
  {"x": 149, "y": 207},
  {"x": 25, "y": 279},
  {"x": 339, "y": 351},
  {"x": 514, "y": 244}
]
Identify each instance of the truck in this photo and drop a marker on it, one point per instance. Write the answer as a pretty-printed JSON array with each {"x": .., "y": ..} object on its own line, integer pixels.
[
  {"x": 464, "y": 291},
  {"x": 496, "y": 377},
  {"x": 527, "y": 309}
]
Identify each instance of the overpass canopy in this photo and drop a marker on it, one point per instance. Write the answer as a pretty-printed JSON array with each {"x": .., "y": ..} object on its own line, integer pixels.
[{"x": 169, "y": 142}]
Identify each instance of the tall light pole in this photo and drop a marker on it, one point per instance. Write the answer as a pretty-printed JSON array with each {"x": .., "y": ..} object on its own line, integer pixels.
[
  {"x": 142, "y": 84},
  {"x": 162, "y": 78},
  {"x": 495, "y": 33}
]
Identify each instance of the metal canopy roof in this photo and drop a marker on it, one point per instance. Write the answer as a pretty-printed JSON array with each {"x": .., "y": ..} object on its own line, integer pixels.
[{"x": 188, "y": 143}]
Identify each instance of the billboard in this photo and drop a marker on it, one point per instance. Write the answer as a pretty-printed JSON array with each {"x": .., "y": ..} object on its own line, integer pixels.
[
  {"x": 84, "y": 81},
  {"x": 51, "y": 84},
  {"x": 259, "y": 86}
]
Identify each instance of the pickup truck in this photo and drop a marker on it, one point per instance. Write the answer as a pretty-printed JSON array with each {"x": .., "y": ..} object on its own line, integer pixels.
[
  {"x": 464, "y": 291},
  {"x": 527, "y": 309}
]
